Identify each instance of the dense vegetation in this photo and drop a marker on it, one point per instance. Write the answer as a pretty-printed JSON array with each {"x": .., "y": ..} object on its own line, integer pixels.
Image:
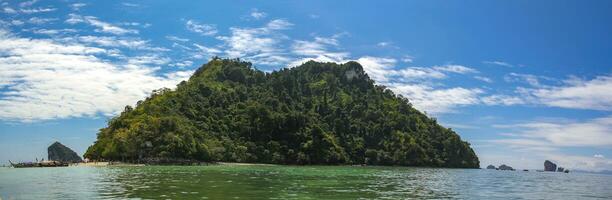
[{"x": 317, "y": 113}]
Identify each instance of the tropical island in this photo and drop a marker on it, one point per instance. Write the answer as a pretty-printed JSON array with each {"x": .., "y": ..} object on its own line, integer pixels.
[{"x": 316, "y": 113}]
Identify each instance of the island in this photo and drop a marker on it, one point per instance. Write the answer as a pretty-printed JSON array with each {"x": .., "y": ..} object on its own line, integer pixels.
[
  {"x": 549, "y": 166},
  {"x": 58, "y": 152},
  {"x": 316, "y": 113}
]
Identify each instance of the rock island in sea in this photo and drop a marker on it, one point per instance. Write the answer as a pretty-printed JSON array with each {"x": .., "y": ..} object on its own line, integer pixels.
[{"x": 316, "y": 113}]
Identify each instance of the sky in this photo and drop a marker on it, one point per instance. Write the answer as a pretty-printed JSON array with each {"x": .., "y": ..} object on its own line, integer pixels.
[{"x": 521, "y": 81}]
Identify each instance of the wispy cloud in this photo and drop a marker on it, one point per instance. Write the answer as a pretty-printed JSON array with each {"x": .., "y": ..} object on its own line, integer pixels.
[
  {"x": 500, "y": 99},
  {"x": 530, "y": 79},
  {"x": 38, "y": 79},
  {"x": 203, "y": 29},
  {"x": 592, "y": 133},
  {"x": 573, "y": 93},
  {"x": 36, "y": 10},
  {"x": 176, "y": 38},
  {"x": 499, "y": 63},
  {"x": 257, "y": 15},
  {"x": 483, "y": 78},
  {"x": 456, "y": 69},
  {"x": 595, "y": 94},
  {"x": 130, "y": 4},
  {"x": 407, "y": 59},
  {"x": 53, "y": 31},
  {"x": 101, "y": 26},
  {"x": 77, "y": 6},
  {"x": 38, "y": 20},
  {"x": 437, "y": 100},
  {"x": 27, "y": 3},
  {"x": 260, "y": 45}
]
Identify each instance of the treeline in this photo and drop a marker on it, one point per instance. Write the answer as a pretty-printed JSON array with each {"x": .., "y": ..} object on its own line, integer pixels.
[{"x": 317, "y": 113}]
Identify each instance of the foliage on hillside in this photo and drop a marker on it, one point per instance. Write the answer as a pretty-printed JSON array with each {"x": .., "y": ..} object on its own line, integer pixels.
[{"x": 317, "y": 113}]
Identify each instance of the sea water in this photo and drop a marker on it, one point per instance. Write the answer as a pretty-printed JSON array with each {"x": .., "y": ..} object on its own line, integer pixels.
[{"x": 295, "y": 182}]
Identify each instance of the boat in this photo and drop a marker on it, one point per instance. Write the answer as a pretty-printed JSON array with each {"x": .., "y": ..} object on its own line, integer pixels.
[{"x": 50, "y": 163}]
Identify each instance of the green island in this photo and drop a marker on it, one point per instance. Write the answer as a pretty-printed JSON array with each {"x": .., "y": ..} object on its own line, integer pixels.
[{"x": 316, "y": 113}]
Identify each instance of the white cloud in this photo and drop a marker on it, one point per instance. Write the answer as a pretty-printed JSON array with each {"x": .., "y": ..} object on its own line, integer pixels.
[
  {"x": 204, "y": 51},
  {"x": 317, "y": 50},
  {"x": 383, "y": 44},
  {"x": 530, "y": 79},
  {"x": 255, "y": 14},
  {"x": 43, "y": 79},
  {"x": 203, "y": 29},
  {"x": 499, "y": 99},
  {"x": 130, "y": 4},
  {"x": 595, "y": 94},
  {"x": 259, "y": 45},
  {"x": 500, "y": 63},
  {"x": 9, "y": 10},
  {"x": 77, "y": 6},
  {"x": 17, "y": 22},
  {"x": 407, "y": 59},
  {"x": 53, "y": 31},
  {"x": 38, "y": 20},
  {"x": 483, "y": 78},
  {"x": 436, "y": 100},
  {"x": 102, "y": 26},
  {"x": 27, "y": 3},
  {"x": 279, "y": 24},
  {"x": 176, "y": 39},
  {"x": 592, "y": 133},
  {"x": 185, "y": 63},
  {"x": 456, "y": 69},
  {"x": 377, "y": 68},
  {"x": 36, "y": 10}
]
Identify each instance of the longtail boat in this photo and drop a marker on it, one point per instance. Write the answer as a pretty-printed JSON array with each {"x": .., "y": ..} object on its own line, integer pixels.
[{"x": 50, "y": 163}]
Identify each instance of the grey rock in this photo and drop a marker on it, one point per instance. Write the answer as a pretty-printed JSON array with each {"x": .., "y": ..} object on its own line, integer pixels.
[
  {"x": 58, "y": 152},
  {"x": 505, "y": 167},
  {"x": 550, "y": 166}
]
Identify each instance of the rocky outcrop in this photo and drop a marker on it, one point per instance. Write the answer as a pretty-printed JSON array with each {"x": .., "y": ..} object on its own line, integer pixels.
[
  {"x": 560, "y": 169},
  {"x": 550, "y": 166},
  {"x": 505, "y": 167},
  {"x": 490, "y": 167},
  {"x": 58, "y": 152}
]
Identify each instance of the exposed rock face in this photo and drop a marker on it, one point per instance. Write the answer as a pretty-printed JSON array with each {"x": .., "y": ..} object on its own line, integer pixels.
[
  {"x": 59, "y": 152},
  {"x": 550, "y": 166},
  {"x": 560, "y": 169},
  {"x": 505, "y": 167},
  {"x": 490, "y": 167},
  {"x": 566, "y": 171}
]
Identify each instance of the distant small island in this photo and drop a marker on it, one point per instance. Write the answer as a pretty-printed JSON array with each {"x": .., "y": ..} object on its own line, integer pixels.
[
  {"x": 501, "y": 167},
  {"x": 548, "y": 167},
  {"x": 58, "y": 155},
  {"x": 316, "y": 113}
]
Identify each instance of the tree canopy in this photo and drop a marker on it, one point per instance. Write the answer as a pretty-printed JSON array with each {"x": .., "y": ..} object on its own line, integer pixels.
[{"x": 316, "y": 113}]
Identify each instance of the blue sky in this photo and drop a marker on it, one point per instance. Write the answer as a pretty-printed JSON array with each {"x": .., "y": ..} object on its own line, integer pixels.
[{"x": 522, "y": 81}]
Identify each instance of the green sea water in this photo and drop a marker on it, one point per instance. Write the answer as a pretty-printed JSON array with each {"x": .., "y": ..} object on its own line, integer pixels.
[{"x": 296, "y": 182}]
